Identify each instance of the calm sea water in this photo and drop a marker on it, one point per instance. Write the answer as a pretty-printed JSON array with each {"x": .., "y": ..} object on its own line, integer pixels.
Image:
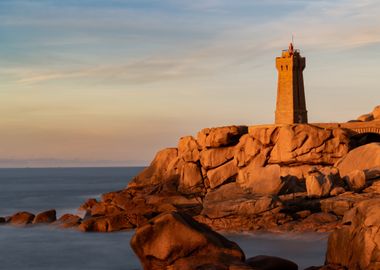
[{"x": 64, "y": 189}]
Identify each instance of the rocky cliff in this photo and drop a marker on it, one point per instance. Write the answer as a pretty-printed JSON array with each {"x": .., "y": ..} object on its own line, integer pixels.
[{"x": 291, "y": 177}]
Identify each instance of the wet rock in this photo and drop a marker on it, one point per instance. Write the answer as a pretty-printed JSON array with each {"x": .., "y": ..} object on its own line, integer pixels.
[
  {"x": 176, "y": 241},
  {"x": 103, "y": 209},
  {"x": 88, "y": 204},
  {"x": 357, "y": 244},
  {"x": 68, "y": 221},
  {"x": 45, "y": 217},
  {"x": 263, "y": 262},
  {"x": 21, "y": 218},
  {"x": 106, "y": 223}
]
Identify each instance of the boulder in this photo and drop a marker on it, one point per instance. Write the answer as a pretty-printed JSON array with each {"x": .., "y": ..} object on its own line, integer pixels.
[
  {"x": 298, "y": 171},
  {"x": 333, "y": 174},
  {"x": 373, "y": 188},
  {"x": 263, "y": 262},
  {"x": 191, "y": 178},
  {"x": 103, "y": 208},
  {"x": 68, "y": 221},
  {"x": 266, "y": 135},
  {"x": 366, "y": 117},
  {"x": 221, "y": 136},
  {"x": 188, "y": 149},
  {"x": 261, "y": 180},
  {"x": 164, "y": 167},
  {"x": 250, "y": 150},
  {"x": 221, "y": 174},
  {"x": 341, "y": 203},
  {"x": 176, "y": 241},
  {"x": 106, "y": 223},
  {"x": 88, "y": 204},
  {"x": 21, "y": 218},
  {"x": 337, "y": 190},
  {"x": 308, "y": 144},
  {"x": 317, "y": 184},
  {"x": 361, "y": 158},
  {"x": 376, "y": 112},
  {"x": 372, "y": 173},
  {"x": 214, "y": 157},
  {"x": 317, "y": 222},
  {"x": 45, "y": 217},
  {"x": 231, "y": 200},
  {"x": 355, "y": 180},
  {"x": 356, "y": 245}
]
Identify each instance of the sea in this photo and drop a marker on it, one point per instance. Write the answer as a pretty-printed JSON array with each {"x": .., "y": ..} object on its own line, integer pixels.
[{"x": 65, "y": 189}]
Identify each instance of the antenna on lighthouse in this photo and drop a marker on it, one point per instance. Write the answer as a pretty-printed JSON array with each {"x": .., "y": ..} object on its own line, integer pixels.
[{"x": 293, "y": 39}]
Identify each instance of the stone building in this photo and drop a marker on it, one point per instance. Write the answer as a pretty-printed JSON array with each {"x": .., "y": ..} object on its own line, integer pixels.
[{"x": 291, "y": 104}]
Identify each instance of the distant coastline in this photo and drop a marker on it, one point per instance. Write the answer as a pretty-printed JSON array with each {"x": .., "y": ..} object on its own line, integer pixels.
[{"x": 65, "y": 163}]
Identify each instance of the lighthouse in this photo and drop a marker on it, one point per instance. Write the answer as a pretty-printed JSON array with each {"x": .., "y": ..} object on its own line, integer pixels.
[{"x": 291, "y": 103}]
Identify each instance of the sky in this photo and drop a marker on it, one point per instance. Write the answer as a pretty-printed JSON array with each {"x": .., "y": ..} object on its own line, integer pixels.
[{"x": 110, "y": 82}]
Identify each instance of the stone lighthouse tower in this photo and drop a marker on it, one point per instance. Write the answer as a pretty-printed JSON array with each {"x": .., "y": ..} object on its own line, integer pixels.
[{"x": 291, "y": 104}]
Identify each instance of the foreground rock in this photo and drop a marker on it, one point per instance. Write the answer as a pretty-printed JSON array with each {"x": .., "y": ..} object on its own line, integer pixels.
[
  {"x": 356, "y": 245},
  {"x": 68, "y": 221},
  {"x": 175, "y": 241}
]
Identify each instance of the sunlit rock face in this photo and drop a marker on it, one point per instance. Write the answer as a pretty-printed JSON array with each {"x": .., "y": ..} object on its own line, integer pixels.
[
  {"x": 176, "y": 241},
  {"x": 357, "y": 244},
  {"x": 362, "y": 158},
  {"x": 222, "y": 155}
]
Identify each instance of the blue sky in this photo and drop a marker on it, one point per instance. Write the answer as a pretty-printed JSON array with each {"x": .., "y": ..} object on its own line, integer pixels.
[{"x": 114, "y": 81}]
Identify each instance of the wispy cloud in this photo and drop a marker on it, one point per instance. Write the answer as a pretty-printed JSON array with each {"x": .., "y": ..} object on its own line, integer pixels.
[{"x": 318, "y": 25}]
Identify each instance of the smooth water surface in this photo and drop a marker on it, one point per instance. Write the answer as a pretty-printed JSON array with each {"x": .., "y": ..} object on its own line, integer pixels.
[{"x": 64, "y": 189}]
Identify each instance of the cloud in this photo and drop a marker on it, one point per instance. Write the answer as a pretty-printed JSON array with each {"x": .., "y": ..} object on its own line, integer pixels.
[{"x": 317, "y": 25}]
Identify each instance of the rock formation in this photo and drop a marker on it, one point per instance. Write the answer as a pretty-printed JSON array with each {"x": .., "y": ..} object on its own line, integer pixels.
[
  {"x": 175, "y": 241},
  {"x": 357, "y": 244},
  {"x": 372, "y": 116}
]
